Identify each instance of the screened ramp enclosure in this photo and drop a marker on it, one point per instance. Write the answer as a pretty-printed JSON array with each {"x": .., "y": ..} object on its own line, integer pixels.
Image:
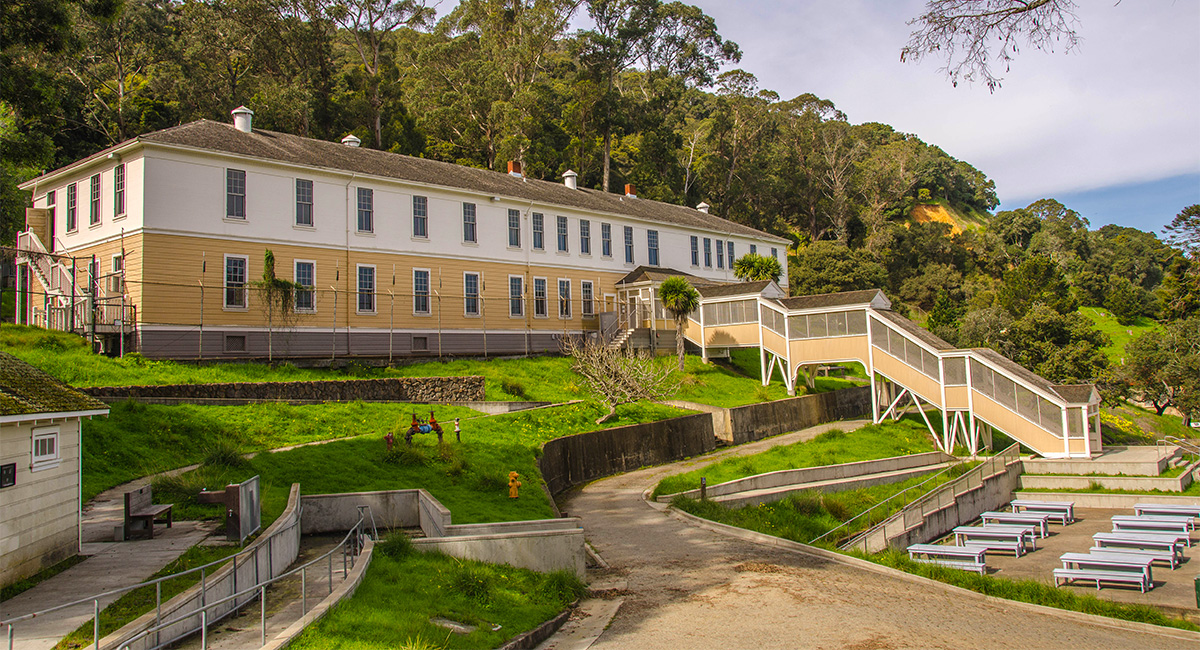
[{"x": 972, "y": 390}]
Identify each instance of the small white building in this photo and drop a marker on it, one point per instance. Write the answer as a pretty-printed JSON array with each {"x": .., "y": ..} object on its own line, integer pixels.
[{"x": 40, "y": 468}]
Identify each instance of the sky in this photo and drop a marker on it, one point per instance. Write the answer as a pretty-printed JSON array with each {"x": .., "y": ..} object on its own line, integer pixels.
[{"x": 1111, "y": 129}]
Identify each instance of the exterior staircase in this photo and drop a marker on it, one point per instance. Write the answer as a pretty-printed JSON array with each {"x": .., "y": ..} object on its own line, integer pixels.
[{"x": 619, "y": 340}]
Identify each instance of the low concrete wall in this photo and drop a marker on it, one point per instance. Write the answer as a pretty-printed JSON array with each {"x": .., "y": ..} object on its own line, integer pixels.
[
  {"x": 720, "y": 416},
  {"x": 267, "y": 557},
  {"x": 1115, "y": 501},
  {"x": 335, "y": 513},
  {"x": 545, "y": 550},
  {"x": 814, "y": 474},
  {"x": 1096, "y": 466},
  {"x": 839, "y": 485},
  {"x": 434, "y": 517},
  {"x": 343, "y": 591},
  {"x": 1132, "y": 483},
  {"x": 757, "y": 421},
  {"x": 393, "y": 389},
  {"x": 574, "y": 460}
]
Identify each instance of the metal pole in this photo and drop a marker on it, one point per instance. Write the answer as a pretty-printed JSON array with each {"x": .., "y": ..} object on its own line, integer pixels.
[
  {"x": 74, "y": 273},
  {"x": 203, "y": 585},
  {"x": 96, "y": 620},
  {"x": 10, "y": 637},
  {"x": 392, "y": 321},
  {"x": 204, "y": 629},
  {"x": 157, "y": 610},
  {"x": 262, "y": 597},
  {"x": 345, "y": 547}
]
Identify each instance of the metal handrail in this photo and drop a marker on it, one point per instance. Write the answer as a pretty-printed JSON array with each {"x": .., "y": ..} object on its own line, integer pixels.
[
  {"x": 1182, "y": 444},
  {"x": 356, "y": 534}
]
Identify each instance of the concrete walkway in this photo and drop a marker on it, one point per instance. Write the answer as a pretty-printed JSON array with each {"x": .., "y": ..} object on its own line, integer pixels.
[{"x": 690, "y": 586}]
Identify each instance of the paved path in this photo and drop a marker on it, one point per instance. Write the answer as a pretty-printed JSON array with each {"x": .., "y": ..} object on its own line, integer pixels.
[{"x": 690, "y": 587}]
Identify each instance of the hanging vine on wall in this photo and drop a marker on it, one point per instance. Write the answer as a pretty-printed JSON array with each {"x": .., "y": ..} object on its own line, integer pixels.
[{"x": 276, "y": 298}]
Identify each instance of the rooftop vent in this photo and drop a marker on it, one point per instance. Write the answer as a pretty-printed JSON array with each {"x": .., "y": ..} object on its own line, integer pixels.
[
  {"x": 242, "y": 118},
  {"x": 703, "y": 207},
  {"x": 514, "y": 168},
  {"x": 570, "y": 179},
  {"x": 351, "y": 140},
  {"x": 630, "y": 191}
]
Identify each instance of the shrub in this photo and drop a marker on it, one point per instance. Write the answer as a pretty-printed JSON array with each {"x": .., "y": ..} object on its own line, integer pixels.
[
  {"x": 395, "y": 546},
  {"x": 473, "y": 581},
  {"x": 836, "y": 508},
  {"x": 402, "y": 454},
  {"x": 830, "y": 435},
  {"x": 512, "y": 387},
  {"x": 223, "y": 453},
  {"x": 179, "y": 488},
  {"x": 806, "y": 503},
  {"x": 762, "y": 393},
  {"x": 560, "y": 588}
]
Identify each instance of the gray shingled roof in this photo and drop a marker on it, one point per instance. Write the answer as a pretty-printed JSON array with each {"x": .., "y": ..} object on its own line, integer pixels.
[
  {"x": 1075, "y": 393},
  {"x": 739, "y": 289},
  {"x": 929, "y": 338},
  {"x": 821, "y": 300},
  {"x": 1015, "y": 369},
  {"x": 284, "y": 147},
  {"x": 658, "y": 274},
  {"x": 26, "y": 390}
]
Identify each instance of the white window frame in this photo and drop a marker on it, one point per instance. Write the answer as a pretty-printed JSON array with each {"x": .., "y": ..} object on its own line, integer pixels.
[
  {"x": 708, "y": 252},
  {"x": 73, "y": 207},
  {"x": 630, "y": 257},
  {"x": 428, "y": 292},
  {"x": 652, "y": 242},
  {"x": 478, "y": 294},
  {"x": 606, "y": 240},
  {"x": 245, "y": 283},
  {"x": 514, "y": 231},
  {"x": 230, "y": 193},
  {"x": 538, "y": 228},
  {"x": 115, "y": 282},
  {"x": 562, "y": 234},
  {"x": 585, "y": 237},
  {"x": 729, "y": 253},
  {"x": 38, "y": 462},
  {"x": 359, "y": 211},
  {"x": 587, "y": 298},
  {"x": 544, "y": 300},
  {"x": 424, "y": 218},
  {"x": 358, "y": 292},
  {"x": 119, "y": 206},
  {"x": 473, "y": 222},
  {"x": 695, "y": 251},
  {"x": 720, "y": 244},
  {"x": 312, "y": 194},
  {"x": 520, "y": 299},
  {"x": 311, "y": 290},
  {"x": 94, "y": 203},
  {"x": 564, "y": 301}
]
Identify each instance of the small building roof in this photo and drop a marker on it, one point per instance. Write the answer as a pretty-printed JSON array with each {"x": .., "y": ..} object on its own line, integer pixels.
[
  {"x": 739, "y": 289},
  {"x": 658, "y": 274},
  {"x": 26, "y": 390},
  {"x": 1070, "y": 393},
  {"x": 1077, "y": 393},
  {"x": 873, "y": 297},
  {"x": 929, "y": 338}
]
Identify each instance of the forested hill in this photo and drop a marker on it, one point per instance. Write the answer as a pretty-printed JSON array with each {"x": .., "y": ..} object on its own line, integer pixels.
[{"x": 637, "y": 99}]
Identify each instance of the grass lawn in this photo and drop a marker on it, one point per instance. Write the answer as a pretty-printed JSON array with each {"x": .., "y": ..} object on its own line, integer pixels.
[
  {"x": 1120, "y": 334},
  {"x": 403, "y": 590},
  {"x": 1130, "y": 424},
  {"x": 139, "y": 601},
  {"x": 1029, "y": 591},
  {"x": 470, "y": 478},
  {"x": 901, "y": 438},
  {"x": 804, "y": 517}
]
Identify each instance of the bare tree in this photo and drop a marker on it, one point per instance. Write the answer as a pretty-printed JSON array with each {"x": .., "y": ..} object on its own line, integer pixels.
[
  {"x": 617, "y": 376},
  {"x": 965, "y": 32}
]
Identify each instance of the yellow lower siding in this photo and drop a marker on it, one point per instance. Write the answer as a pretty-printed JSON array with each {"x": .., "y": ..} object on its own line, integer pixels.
[
  {"x": 956, "y": 397},
  {"x": 742, "y": 335},
  {"x": 845, "y": 348},
  {"x": 774, "y": 342},
  {"x": 1017, "y": 427},
  {"x": 912, "y": 379}
]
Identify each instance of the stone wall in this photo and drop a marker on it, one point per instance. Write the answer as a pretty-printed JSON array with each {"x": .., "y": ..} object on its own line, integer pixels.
[
  {"x": 574, "y": 460},
  {"x": 395, "y": 389},
  {"x": 757, "y": 421}
]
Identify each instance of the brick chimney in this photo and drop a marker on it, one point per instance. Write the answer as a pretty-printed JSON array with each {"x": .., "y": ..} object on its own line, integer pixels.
[
  {"x": 514, "y": 168},
  {"x": 630, "y": 191}
]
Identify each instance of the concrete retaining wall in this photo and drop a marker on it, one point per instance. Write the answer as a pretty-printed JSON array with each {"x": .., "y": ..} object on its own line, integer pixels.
[
  {"x": 840, "y": 485},
  {"x": 1100, "y": 466},
  {"x": 757, "y": 421},
  {"x": 814, "y": 474},
  {"x": 268, "y": 556},
  {"x": 393, "y": 389},
  {"x": 545, "y": 550},
  {"x": 574, "y": 460},
  {"x": 1132, "y": 483},
  {"x": 335, "y": 513},
  {"x": 1092, "y": 500}
]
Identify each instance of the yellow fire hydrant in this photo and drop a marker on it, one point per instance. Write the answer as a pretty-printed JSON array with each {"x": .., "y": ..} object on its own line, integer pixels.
[{"x": 513, "y": 484}]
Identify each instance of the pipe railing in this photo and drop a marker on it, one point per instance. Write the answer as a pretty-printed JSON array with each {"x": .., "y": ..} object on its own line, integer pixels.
[{"x": 350, "y": 548}]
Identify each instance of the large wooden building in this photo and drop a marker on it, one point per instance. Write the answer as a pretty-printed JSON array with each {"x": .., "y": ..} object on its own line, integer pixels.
[{"x": 157, "y": 244}]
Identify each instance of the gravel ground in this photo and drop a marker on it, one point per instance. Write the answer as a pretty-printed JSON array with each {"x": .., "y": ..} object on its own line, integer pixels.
[{"x": 690, "y": 587}]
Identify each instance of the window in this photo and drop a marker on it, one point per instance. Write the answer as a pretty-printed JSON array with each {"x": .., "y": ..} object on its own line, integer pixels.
[
  {"x": 652, "y": 247},
  {"x": 94, "y": 212},
  {"x": 539, "y": 231},
  {"x": 235, "y": 281},
  {"x": 729, "y": 245},
  {"x": 45, "y": 448},
  {"x": 235, "y": 194},
  {"x": 775, "y": 253},
  {"x": 420, "y": 216},
  {"x": 707, "y": 252},
  {"x": 366, "y": 289},
  {"x": 588, "y": 295},
  {"x": 539, "y": 298},
  {"x": 514, "y": 228},
  {"x": 304, "y": 202},
  {"x": 695, "y": 251},
  {"x": 564, "y": 298},
  {"x": 119, "y": 190},
  {"x": 366, "y": 209},
  {"x": 305, "y": 275},
  {"x": 629, "y": 244},
  {"x": 471, "y": 294},
  {"x": 469, "y": 223},
  {"x": 606, "y": 240},
  {"x": 585, "y": 237},
  {"x": 720, "y": 254},
  {"x": 562, "y": 234},
  {"x": 753, "y": 249},
  {"x": 115, "y": 285},
  {"x": 72, "y": 208},
  {"x": 516, "y": 301},
  {"x": 420, "y": 291}
]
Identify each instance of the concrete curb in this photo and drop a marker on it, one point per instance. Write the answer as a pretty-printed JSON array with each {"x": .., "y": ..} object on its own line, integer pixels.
[
  {"x": 344, "y": 590},
  {"x": 846, "y": 560},
  {"x": 534, "y": 637}
]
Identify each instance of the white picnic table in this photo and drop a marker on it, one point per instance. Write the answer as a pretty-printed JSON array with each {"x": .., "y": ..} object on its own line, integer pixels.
[
  {"x": 1039, "y": 519},
  {"x": 1065, "y": 509},
  {"x": 1151, "y": 522},
  {"x": 1166, "y": 509},
  {"x": 1130, "y": 539},
  {"x": 1110, "y": 562},
  {"x": 1162, "y": 555},
  {"x": 976, "y": 553},
  {"x": 992, "y": 531}
]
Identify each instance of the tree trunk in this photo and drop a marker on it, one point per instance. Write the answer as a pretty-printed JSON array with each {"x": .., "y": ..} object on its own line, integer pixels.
[
  {"x": 607, "y": 157},
  {"x": 612, "y": 410},
  {"x": 679, "y": 325}
]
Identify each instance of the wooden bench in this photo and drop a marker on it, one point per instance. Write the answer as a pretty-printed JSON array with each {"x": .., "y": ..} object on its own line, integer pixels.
[
  {"x": 1064, "y": 511},
  {"x": 962, "y": 565},
  {"x": 141, "y": 511},
  {"x": 1166, "y": 509},
  {"x": 1157, "y": 541},
  {"x": 1160, "y": 523},
  {"x": 1018, "y": 548},
  {"x": 1124, "y": 577},
  {"x": 1157, "y": 556},
  {"x": 1111, "y": 562},
  {"x": 1039, "y": 519}
]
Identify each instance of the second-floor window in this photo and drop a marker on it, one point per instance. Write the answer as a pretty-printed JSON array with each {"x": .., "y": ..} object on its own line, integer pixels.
[
  {"x": 235, "y": 193},
  {"x": 72, "y": 207},
  {"x": 119, "y": 190},
  {"x": 720, "y": 254},
  {"x": 366, "y": 289},
  {"x": 471, "y": 294},
  {"x": 306, "y": 278},
  {"x": 562, "y": 234},
  {"x": 606, "y": 240},
  {"x": 629, "y": 244},
  {"x": 652, "y": 247},
  {"x": 729, "y": 245},
  {"x": 707, "y": 252},
  {"x": 366, "y": 209},
  {"x": 514, "y": 228},
  {"x": 420, "y": 217},
  {"x": 420, "y": 291},
  {"x": 539, "y": 298},
  {"x": 304, "y": 202},
  {"x": 775, "y": 253},
  {"x": 539, "y": 231},
  {"x": 235, "y": 282},
  {"x": 695, "y": 251},
  {"x": 753, "y": 249},
  {"x": 469, "y": 234},
  {"x": 585, "y": 237},
  {"x": 94, "y": 212}
]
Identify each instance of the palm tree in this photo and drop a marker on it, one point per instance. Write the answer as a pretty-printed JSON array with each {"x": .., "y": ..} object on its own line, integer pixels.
[
  {"x": 752, "y": 266},
  {"x": 680, "y": 298}
]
